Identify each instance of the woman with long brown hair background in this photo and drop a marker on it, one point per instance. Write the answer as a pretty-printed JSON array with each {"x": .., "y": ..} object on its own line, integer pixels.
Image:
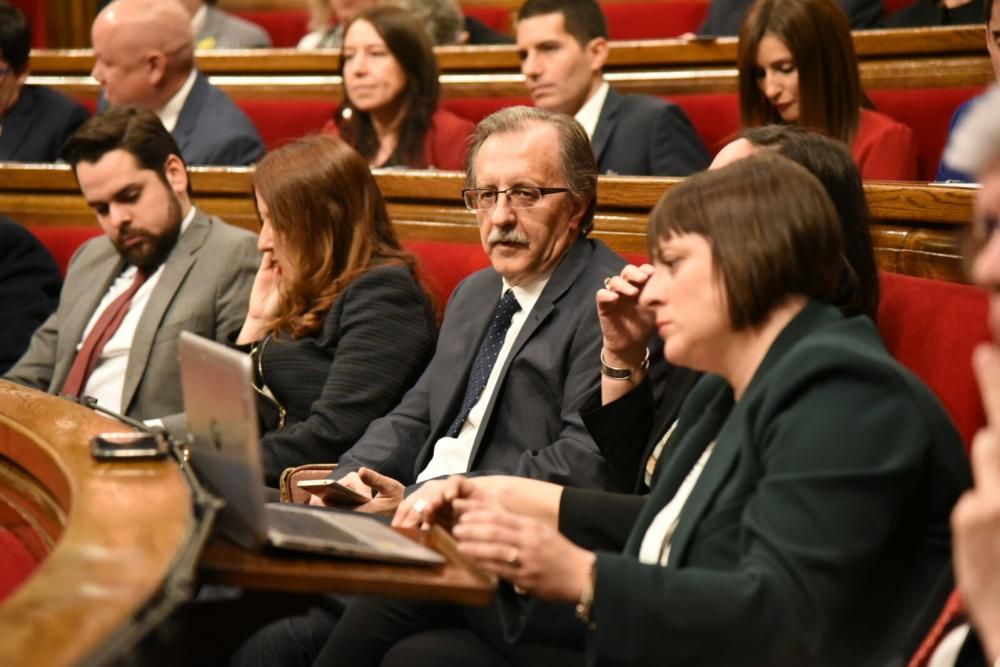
[{"x": 338, "y": 324}]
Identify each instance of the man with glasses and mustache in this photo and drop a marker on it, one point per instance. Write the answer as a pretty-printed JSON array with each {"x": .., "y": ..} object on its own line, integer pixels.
[
  {"x": 161, "y": 267},
  {"x": 520, "y": 343}
]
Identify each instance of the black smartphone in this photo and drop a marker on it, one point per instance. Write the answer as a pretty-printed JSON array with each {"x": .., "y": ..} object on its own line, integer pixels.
[
  {"x": 128, "y": 446},
  {"x": 333, "y": 491}
]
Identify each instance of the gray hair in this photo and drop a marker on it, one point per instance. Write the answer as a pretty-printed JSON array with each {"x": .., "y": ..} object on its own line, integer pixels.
[
  {"x": 442, "y": 19},
  {"x": 975, "y": 143},
  {"x": 576, "y": 157}
]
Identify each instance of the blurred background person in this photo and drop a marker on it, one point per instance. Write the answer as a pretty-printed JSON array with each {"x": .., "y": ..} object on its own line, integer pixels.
[
  {"x": 34, "y": 121},
  {"x": 725, "y": 16},
  {"x": 216, "y": 29},
  {"x": 797, "y": 64},
  {"x": 29, "y": 289},
  {"x": 327, "y": 19},
  {"x": 339, "y": 325},
  {"x": 445, "y": 24},
  {"x": 390, "y": 110},
  {"x": 144, "y": 56}
]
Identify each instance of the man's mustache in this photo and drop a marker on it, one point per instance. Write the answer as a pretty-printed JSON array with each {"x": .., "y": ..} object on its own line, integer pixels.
[{"x": 507, "y": 236}]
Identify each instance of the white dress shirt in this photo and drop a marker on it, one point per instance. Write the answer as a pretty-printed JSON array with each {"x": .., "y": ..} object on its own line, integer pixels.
[
  {"x": 655, "y": 547},
  {"x": 451, "y": 455},
  {"x": 590, "y": 112},
  {"x": 107, "y": 382},
  {"x": 171, "y": 112}
]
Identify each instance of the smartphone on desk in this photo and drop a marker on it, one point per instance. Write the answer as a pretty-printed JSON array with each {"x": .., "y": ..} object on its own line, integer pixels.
[
  {"x": 333, "y": 492},
  {"x": 128, "y": 446}
]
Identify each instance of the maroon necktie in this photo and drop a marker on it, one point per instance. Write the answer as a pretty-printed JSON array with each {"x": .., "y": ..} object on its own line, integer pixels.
[
  {"x": 105, "y": 327},
  {"x": 952, "y": 615}
]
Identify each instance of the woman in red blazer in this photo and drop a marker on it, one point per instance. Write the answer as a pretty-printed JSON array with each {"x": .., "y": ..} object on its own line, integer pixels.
[{"x": 391, "y": 93}]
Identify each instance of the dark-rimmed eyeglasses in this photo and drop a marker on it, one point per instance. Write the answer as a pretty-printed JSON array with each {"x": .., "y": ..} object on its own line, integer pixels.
[{"x": 518, "y": 196}]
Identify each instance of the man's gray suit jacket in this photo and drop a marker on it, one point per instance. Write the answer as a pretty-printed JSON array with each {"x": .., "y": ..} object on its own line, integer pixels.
[
  {"x": 212, "y": 130},
  {"x": 640, "y": 135},
  {"x": 532, "y": 426},
  {"x": 231, "y": 32},
  {"x": 204, "y": 288}
]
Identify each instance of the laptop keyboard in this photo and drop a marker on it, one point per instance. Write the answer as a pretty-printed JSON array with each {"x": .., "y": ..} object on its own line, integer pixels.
[{"x": 309, "y": 524}]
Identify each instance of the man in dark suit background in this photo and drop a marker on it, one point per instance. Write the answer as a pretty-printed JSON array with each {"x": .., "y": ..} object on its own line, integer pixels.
[
  {"x": 183, "y": 270},
  {"x": 34, "y": 121},
  {"x": 144, "y": 51},
  {"x": 522, "y": 416},
  {"x": 563, "y": 46}
]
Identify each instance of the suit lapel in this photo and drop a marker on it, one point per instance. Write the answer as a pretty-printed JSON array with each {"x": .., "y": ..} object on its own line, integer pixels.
[
  {"x": 563, "y": 277},
  {"x": 187, "y": 121},
  {"x": 71, "y": 326},
  {"x": 175, "y": 269},
  {"x": 605, "y": 123}
]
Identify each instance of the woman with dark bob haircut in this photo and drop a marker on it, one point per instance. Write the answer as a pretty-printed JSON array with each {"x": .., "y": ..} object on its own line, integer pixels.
[
  {"x": 797, "y": 65},
  {"x": 798, "y": 514},
  {"x": 390, "y": 111},
  {"x": 335, "y": 298}
]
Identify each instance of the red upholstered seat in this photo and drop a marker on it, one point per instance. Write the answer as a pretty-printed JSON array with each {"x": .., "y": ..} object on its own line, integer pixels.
[
  {"x": 716, "y": 116},
  {"x": 890, "y": 7},
  {"x": 285, "y": 26},
  {"x": 280, "y": 121},
  {"x": 497, "y": 18},
  {"x": 927, "y": 111},
  {"x": 654, "y": 20},
  {"x": 477, "y": 108},
  {"x": 62, "y": 242},
  {"x": 16, "y": 562},
  {"x": 932, "y": 327},
  {"x": 34, "y": 13}
]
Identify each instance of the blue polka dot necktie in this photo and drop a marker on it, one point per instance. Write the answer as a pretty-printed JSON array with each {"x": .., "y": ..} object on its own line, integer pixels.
[{"x": 486, "y": 357}]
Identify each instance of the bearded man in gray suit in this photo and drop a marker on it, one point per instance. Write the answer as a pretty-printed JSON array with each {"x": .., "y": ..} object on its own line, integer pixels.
[{"x": 162, "y": 265}]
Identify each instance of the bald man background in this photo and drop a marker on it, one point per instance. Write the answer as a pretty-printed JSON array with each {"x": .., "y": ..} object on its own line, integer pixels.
[{"x": 144, "y": 53}]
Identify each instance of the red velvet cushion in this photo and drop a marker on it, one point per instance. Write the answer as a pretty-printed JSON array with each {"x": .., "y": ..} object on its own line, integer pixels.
[
  {"x": 927, "y": 111},
  {"x": 890, "y": 7},
  {"x": 62, "y": 242},
  {"x": 16, "y": 562},
  {"x": 716, "y": 117},
  {"x": 654, "y": 20},
  {"x": 475, "y": 109},
  {"x": 497, "y": 18},
  {"x": 931, "y": 327},
  {"x": 285, "y": 26},
  {"x": 34, "y": 13},
  {"x": 280, "y": 121}
]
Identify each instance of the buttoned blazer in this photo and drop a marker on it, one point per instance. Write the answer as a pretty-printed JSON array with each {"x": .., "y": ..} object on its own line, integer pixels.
[
  {"x": 38, "y": 124},
  {"x": 640, "y": 135},
  {"x": 231, "y": 32},
  {"x": 532, "y": 425},
  {"x": 204, "y": 288},
  {"x": 212, "y": 130},
  {"x": 814, "y": 532}
]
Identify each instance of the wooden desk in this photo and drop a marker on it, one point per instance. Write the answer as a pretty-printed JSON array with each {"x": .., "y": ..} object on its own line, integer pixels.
[
  {"x": 109, "y": 533},
  {"x": 457, "y": 581}
]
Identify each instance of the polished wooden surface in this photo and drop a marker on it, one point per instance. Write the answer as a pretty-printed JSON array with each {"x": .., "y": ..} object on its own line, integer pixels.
[
  {"x": 917, "y": 227},
  {"x": 459, "y": 580},
  {"x": 114, "y": 530}
]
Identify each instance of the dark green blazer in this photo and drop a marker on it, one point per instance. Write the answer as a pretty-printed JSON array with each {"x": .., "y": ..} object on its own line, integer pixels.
[{"x": 817, "y": 529}]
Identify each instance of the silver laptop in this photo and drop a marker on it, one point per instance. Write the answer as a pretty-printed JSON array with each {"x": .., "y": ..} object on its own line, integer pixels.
[{"x": 222, "y": 420}]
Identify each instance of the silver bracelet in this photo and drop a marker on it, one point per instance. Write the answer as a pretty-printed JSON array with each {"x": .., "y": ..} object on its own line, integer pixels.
[{"x": 613, "y": 373}]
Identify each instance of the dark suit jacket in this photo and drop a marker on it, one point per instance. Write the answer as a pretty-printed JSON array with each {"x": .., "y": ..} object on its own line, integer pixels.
[
  {"x": 204, "y": 288},
  {"x": 375, "y": 341},
  {"x": 532, "y": 425},
  {"x": 816, "y": 528},
  {"x": 639, "y": 135},
  {"x": 29, "y": 289},
  {"x": 38, "y": 124},
  {"x": 725, "y": 16},
  {"x": 212, "y": 130}
]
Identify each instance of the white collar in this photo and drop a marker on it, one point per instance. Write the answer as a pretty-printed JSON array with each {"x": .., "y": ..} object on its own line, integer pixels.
[
  {"x": 590, "y": 112},
  {"x": 171, "y": 112}
]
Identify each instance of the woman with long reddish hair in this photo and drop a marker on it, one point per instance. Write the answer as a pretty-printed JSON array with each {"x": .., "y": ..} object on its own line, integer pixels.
[{"x": 339, "y": 325}]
